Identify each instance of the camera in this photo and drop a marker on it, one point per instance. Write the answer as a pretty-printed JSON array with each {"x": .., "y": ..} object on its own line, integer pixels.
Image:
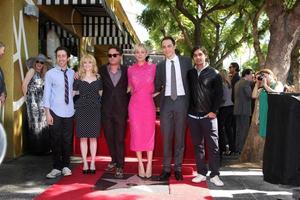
[{"x": 260, "y": 77}]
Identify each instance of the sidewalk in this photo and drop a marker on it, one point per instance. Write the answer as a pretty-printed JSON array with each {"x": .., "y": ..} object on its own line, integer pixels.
[{"x": 24, "y": 178}]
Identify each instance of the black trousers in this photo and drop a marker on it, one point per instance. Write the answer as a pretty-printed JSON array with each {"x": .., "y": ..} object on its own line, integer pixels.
[
  {"x": 226, "y": 132},
  {"x": 114, "y": 132},
  {"x": 205, "y": 129},
  {"x": 61, "y": 135}
]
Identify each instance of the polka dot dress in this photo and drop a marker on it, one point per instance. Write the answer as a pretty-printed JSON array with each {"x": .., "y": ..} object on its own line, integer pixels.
[{"x": 87, "y": 108}]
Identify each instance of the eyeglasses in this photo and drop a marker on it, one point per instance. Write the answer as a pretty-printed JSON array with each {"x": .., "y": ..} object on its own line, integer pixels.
[
  {"x": 41, "y": 62},
  {"x": 113, "y": 55}
]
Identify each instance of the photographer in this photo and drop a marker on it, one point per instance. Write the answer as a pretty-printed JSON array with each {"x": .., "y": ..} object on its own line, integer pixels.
[{"x": 265, "y": 82}]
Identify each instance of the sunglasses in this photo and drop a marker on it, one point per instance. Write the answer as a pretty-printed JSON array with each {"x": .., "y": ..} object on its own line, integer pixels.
[
  {"x": 41, "y": 62},
  {"x": 113, "y": 55}
]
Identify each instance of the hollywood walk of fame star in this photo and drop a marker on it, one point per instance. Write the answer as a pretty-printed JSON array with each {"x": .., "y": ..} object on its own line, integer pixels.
[{"x": 134, "y": 184}]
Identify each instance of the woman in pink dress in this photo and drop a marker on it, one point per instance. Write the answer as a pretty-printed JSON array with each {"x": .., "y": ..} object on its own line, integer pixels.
[{"x": 142, "y": 109}]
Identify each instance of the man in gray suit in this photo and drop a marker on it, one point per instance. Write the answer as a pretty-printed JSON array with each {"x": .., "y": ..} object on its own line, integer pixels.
[
  {"x": 171, "y": 82},
  {"x": 242, "y": 107}
]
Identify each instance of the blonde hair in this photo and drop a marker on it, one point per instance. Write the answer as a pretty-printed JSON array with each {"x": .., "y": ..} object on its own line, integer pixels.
[
  {"x": 140, "y": 45},
  {"x": 225, "y": 77},
  {"x": 81, "y": 70},
  {"x": 268, "y": 71}
]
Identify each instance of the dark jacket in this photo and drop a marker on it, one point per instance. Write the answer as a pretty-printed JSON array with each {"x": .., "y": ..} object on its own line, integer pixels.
[
  {"x": 236, "y": 77},
  {"x": 160, "y": 77},
  {"x": 206, "y": 91},
  {"x": 114, "y": 98},
  {"x": 2, "y": 83}
]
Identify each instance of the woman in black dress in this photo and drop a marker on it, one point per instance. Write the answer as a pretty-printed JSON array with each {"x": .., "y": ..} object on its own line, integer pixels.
[{"x": 87, "y": 109}]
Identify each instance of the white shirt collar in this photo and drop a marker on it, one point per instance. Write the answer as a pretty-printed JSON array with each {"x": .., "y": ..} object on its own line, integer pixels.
[{"x": 175, "y": 59}]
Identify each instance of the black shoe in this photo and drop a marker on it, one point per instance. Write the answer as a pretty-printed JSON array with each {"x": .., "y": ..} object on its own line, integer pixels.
[
  {"x": 178, "y": 175},
  {"x": 119, "y": 172},
  {"x": 164, "y": 176},
  {"x": 92, "y": 171},
  {"x": 85, "y": 171},
  {"x": 110, "y": 167}
]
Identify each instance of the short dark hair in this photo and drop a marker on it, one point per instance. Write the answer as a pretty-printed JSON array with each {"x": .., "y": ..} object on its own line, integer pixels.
[
  {"x": 2, "y": 44},
  {"x": 168, "y": 38},
  {"x": 246, "y": 72},
  {"x": 199, "y": 48},
  {"x": 235, "y": 66},
  {"x": 117, "y": 48},
  {"x": 63, "y": 49}
]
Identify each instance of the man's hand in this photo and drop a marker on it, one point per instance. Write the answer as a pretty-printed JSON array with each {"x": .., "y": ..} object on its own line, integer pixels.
[
  {"x": 49, "y": 118},
  {"x": 211, "y": 115}
]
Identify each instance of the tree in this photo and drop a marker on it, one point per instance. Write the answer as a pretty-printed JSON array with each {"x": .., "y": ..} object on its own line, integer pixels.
[
  {"x": 219, "y": 26},
  {"x": 284, "y": 22}
]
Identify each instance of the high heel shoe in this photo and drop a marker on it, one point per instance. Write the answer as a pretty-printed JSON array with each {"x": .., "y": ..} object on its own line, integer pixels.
[
  {"x": 92, "y": 168},
  {"x": 148, "y": 174},
  {"x": 141, "y": 171},
  {"x": 85, "y": 169}
]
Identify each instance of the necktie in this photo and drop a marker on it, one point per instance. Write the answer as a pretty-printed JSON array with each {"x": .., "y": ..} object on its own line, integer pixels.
[
  {"x": 66, "y": 86},
  {"x": 173, "y": 82}
]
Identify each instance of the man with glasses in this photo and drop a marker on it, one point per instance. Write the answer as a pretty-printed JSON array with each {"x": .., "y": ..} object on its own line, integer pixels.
[{"x": 114, "y": 108}]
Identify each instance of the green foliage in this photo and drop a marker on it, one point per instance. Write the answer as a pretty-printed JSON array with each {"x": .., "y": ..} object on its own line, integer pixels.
[
  {"x": 222, "y": 31},
  {"x": 289, "y": 4}
]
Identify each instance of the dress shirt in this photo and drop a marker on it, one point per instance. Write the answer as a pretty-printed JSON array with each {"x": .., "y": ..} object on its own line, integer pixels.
[
  {"x": 115, "y": 77},
  {"x": 179, "y": 84},
  {"x": 54, "y": 92}
]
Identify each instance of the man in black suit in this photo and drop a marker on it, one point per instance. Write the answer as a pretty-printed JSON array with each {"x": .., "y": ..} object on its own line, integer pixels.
[
  {"x": 114, "y": 108},
  {"x": 2, "y": 82},
  {"x": 171, "y": 82},
  {"x": 234, "y": 69}
]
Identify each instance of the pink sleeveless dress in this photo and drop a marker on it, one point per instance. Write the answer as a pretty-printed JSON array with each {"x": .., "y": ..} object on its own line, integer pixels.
[{"x": 141, "y": 108}]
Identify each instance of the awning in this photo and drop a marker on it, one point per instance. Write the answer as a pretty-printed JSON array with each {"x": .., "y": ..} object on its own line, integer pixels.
[
  {"x": 99, "y": 21},
  {"x": 69, "y": 2},
  {"x": 105, "y": 31},
  {"x": 86, "y": 8}
]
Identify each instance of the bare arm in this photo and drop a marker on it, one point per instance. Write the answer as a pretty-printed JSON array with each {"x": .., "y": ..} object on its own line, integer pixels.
[
  {"x": 75, "y": 92},
  {"x": 27, "y": 79},
  {"x": 255, "y": 92}
]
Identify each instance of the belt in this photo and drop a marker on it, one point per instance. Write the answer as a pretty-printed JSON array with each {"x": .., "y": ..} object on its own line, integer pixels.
[{"x": 196, "y": 117}]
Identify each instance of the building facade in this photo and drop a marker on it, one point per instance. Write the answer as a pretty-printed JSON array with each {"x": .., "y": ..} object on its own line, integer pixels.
[{"x": 29, "y": 27}]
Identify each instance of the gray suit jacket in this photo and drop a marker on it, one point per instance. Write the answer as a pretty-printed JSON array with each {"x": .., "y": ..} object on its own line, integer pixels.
[
  {"x": 242, "y": 98},
  {"x": 160, "y": 77}
]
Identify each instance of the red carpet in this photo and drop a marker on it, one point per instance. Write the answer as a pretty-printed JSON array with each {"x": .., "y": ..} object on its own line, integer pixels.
[
  {"x": 86, "y": 187},
  {"x": 158, "y": 149}
]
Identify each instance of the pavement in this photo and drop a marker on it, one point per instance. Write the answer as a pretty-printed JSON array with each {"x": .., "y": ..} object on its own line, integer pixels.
[{"x": 24, "y": 178}]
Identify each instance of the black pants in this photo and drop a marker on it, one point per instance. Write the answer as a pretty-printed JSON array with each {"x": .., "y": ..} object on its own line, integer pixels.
[
  {"x": 226, "y": 132},
  {"x": 61, "y": 134},
  {"x": 205, "y": 129},
  {"x": 114, "y": 132}
]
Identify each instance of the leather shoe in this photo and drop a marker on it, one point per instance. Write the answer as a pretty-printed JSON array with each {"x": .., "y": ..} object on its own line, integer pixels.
[
  {"x": 178, "y": 176},
  {"x": 164, "y": 176}
]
